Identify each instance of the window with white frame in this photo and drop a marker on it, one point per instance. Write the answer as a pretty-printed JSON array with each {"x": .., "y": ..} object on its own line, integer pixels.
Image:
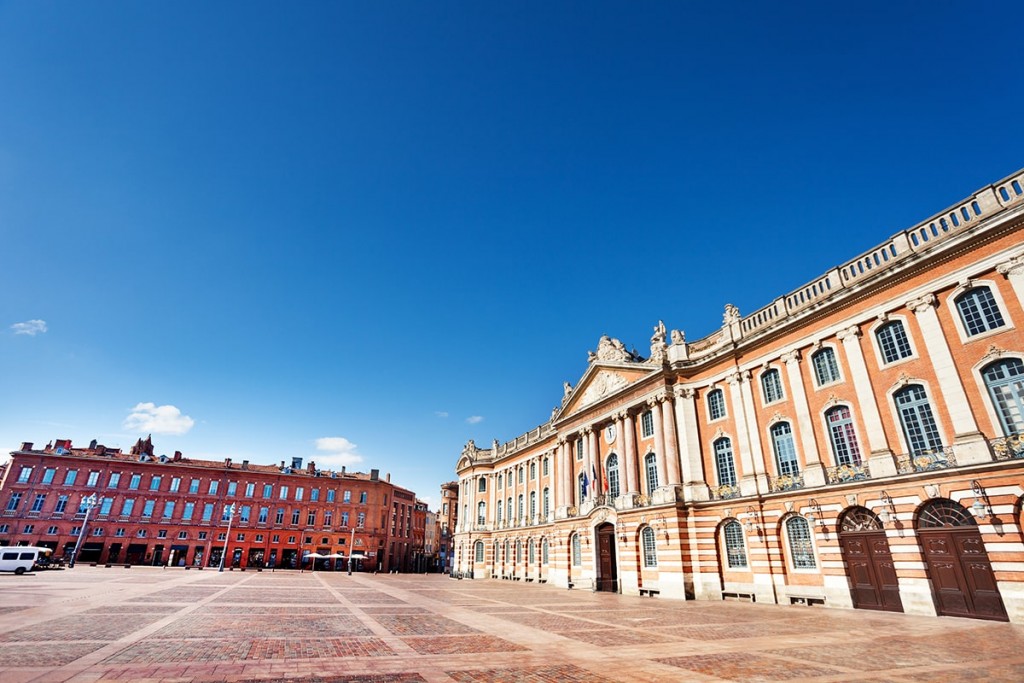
[
  {"x": 725, "y": 466},
  {"x": 917, "y": 419},
  {"x": 577, "y": 551},
  {"x": 826, "y": 368},
  {"x": 544, "y": 551},
  {"x": 499, "y": 511},
  {"x": 842, "y": 437},
  {"x": 533, "y": 470},
  {"x": 533, "y": 505},
  {"x": 531, "y": 554},
  {"x": 1005, "y": 382},
  {"x": 716, "y": 404},
  {"x": 579, "y": 448},
  {"x": 478, "y": 551},
  {"x": 978, "y": 311},
  {"x": 771, "y": 385},
  {"x": 647, "y": 424},
  {"x": 519, "y": 507},
  {"x": 546, "y": 503},
  {"x": 893, "y": 342},
  {"x": 735, "y": 547},
  {"x": 481, "y": 485},
  {"x": 785, "y": 451},
  {"x": 651, "y": 472},
  {"x": 650, "y": 546},
  {"x": 801, "y": 548},
  {"x": 612, "y": 470}
]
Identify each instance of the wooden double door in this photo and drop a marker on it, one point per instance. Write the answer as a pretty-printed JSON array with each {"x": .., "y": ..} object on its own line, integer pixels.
[
  {"x": 962, "y": 579},
  {"x": 607, "y": 570},
  {"x": 873, "y": 581}
]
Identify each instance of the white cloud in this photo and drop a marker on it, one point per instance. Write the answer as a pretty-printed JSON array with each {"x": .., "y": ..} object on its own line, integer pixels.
[
  {"x": 475, "y": 419},
  {"x": 335, "y": 451},
  {"x": 441, "y": 413},
  {"x": 30, "y": 327},
  {"x": 153, "y": 419}
]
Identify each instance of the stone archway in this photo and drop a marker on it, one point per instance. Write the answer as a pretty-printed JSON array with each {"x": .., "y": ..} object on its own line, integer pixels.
[
  {"x": 868, "y": 560},
  {"x": 607, "y": 562}
]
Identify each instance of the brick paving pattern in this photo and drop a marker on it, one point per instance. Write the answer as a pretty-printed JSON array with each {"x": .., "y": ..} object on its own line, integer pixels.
[{"x": 97, "y": 625}]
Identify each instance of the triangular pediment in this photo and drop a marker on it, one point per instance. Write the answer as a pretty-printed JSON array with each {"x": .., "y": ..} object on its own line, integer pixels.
[{"x": 600, "y": 381}]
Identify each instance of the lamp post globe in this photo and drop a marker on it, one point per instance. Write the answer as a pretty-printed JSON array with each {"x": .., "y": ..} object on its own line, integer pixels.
[
  {"x": 231, "y": 514},
  {"x": 88, "y": 503}
]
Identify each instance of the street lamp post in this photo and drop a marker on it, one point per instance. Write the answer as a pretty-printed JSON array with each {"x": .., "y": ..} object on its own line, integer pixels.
[
  {"x": 89, "y": 502},
  {"x": 227, "y": 537},
  {"x": 351, "y": 550}
]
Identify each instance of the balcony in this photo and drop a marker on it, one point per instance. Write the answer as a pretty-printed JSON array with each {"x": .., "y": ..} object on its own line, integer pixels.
[
  {"x": 1008, "y": 447},
  {"x": 842, "y": 474},
  {"x": 724, "y": 492},
  {"x": 786, "y": 482},
  {"x": 925, "y": 460}
]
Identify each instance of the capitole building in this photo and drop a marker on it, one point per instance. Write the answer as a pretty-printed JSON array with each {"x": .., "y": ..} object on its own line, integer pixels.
[{"x": 854, "y": 443}]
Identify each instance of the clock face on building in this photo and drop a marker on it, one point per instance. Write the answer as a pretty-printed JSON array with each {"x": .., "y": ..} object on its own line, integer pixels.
[{"x": 609, "y": 433}]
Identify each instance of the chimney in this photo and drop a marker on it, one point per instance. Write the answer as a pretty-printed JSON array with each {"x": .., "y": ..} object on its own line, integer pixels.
[
  {"x": 311, "y": 467},
  {"x": 387, "y": 477},
  {"x": 374, "y": 475},
  {"x": 26, "y": 445},
  {"x": 227, "y": 462},
  {"x": 177, "y": 456},
  {"x": 92, "y": 445},
  {"x": 245, "y": 464},
  {"x": 296, "y": 463},
  {"x": 101, "y": 450},
  {"x": 282, "y": 465}
]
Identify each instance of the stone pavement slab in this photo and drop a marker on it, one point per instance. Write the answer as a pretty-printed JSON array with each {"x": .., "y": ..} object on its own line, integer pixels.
[{"x": 93, "y": 625}]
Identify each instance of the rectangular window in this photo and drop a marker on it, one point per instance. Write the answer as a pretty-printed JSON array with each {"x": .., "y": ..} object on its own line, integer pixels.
[
  {"x": 69, "y": 478},
  {"x": 154, "y": 482},
  {"x": 716, "y": 405},
  {"x": 147, "y": 508},
  {"x": 24, "y": 475},
  {"x": 97, "y": 531},
  {"x": 328, "y": 517},
  {"x": 264, "y": 513},
  {"x": 232, "y": 488},
  {"x": 279, "y": 516},
  {"x": 330, "y": 495},
  {"x": 105, "y": 508},
  {"x": 250, "y": 490},
  {"x": 202, "y": 535},
  {"x": 647, "y": 424},
  {"x": 276, "y": 538},
  {"x": 182, "y": 535},
  {"x": 214, "y": 485},
  {"x": 259, "y": 538},
  {"x": 346, "y": 497},
  {"x": 162, "y": 533},
  {"x": 245, "y": 513},
  {"x": 362, "y": 498},
  {"x": 190, "y": 509},
  {"x": 226, "y": 513},
  {"x": 311, "y": 518},
  {"x": 193, "y": 486},
  {"x": 141, "y": 533},
  {"x": 48, "y": 474},
  {"x": 135, "y": 482},
  {"x": 344, "y": 519},
  {"x": 207, "y": 512},
  {"x": 29, "y": 528},
  {"x": 771, "y": 386},
  {"x": 361, "y": 522},
  {"x": 284, "y": 493},
  {"x": 240, "y": 537},
  {"x": 127, "y": 506},
  {"x": 37, "y": 504},
  {"x": 299, "y": 492},
  {"x": 314, "y": 495},
  {"x": 115, "y": 480},
  {"x": 579, "y": 450},
  {"x": 295, "y": 516},
  {"x": 119, "y": 532},
  {"x": 5, "y": 528},
  {"x": 175, "y": 484},
  {"x": 62, "y": 503},
  {"x": 51, "y": 531},
  {"x": 168, "y": 509},
  {"x": 268, "y": 490}
]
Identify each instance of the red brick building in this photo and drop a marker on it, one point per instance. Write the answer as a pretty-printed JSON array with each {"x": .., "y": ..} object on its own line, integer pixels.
[{"x": 171, "y": 510}]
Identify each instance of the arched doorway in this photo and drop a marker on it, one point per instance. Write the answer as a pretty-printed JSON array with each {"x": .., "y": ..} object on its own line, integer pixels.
[
  {"x": 869, "y": 565},
  {"x": 607, "y": 569},
  {"x": 962, "y": 580}
]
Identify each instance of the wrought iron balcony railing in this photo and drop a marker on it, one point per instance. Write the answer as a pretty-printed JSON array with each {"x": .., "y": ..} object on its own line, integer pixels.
[
  {"x": 786, "y": 482},
  {"x": 925, "y": 460},
  {"x": 841, "y": 474},
  {"x": 724, "y": 492},
  {"x": 1008, "y": 447}
]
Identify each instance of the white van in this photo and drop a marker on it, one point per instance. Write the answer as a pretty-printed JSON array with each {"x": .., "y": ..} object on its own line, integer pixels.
[{"x": 20, "y": 558}]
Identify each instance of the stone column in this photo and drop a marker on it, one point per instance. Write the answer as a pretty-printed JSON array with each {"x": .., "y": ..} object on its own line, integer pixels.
[
  {"x": 490, "y": 516},
  {"x": 627, "y": 454},
  {"x": 751, "y": 473},
  {"x": 970, "y": 442},
  {"x": 588, "y": 454},
  {"x": 694, "y": 484},
  {"x": 814, "y": 471},
  {"x": 881, "y": 462},
  {"x": 629, "y": 437},
  {"x": 561, "y": 474},
  {"x": 1013, "y": 270},
  {"x": 671, "y": 449},
  {"x": 595, "y": 459},
  {"x": 659, "y": 438}
]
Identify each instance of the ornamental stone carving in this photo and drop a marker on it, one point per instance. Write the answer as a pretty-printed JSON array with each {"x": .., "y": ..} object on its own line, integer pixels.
[
  {"x": 731, "y": 315},
  {"x": 678, "y": 337},
  {"x": 659, "y": 348},
  {"x": 791, "y": 357},
  {"x": 609, "y": 348},
  {"x": 602, "y": 385},
  {"x": 923, "y": 303},
  {"x": 683, "y": 392},
  {"x": 1015, "y": 266},
  {"x": 850, "y": 334}
]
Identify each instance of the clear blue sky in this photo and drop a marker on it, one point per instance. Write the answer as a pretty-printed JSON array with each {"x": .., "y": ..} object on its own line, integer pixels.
[{"x": 402, "y": 225}]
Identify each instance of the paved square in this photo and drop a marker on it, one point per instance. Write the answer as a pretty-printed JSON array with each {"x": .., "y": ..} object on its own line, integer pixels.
[{"x": 92, "y": 624}]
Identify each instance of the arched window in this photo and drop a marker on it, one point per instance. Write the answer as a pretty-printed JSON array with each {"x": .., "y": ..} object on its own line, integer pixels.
[
  {"x": 1005, "y": 382},
  {"x": 716, "y": 404},
  {"x": 581, "y": 487},
  {"x": 612, "y": 469},
  {"x": 533, "y": 470},
  {"x": 545, "y": 467},
  {"x": 917, "y": 419},
  {"x": 500, "y": 479},
  {"x": 826, "y": 369},
  {"x": 496, "y": 549},
  {"x": 519, "y": 552},
  {"x": 509, "y": 509},
  {"x": 533, "y": 505},
  {"x": 735, "y": 550},
  {"x": 943, "y": 513},
  {"x": 842, "y": 436},
  {"x": 785, "y": 452},
  {"x": 508, "y": 551},
  {"x": 481, "y": 484},
  {"x": 979, "y": 311},
  {"x": 544, "y": 551},
  {"x": 893, "y": 342},
  {"x": 801, "y": 549},
  {"x": 531, "y": 554},
  {"x": 546, "y": 504},
  {"x": 577, "y": 552},
  {"x": 771, "y": 385},
  {"x": 647, "y": 424},
  {"x": 519, "y": 507},
  {"x": 481, "y": 513},
  {"x": 724, "y": 463},
  {"x": 499, "y": 511},
  {"x": 650, "y": 547},
  {"x": 520, "y": 469},
  {"x": 651, "y": 472},
  {"x": 478, "y": 550}
]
